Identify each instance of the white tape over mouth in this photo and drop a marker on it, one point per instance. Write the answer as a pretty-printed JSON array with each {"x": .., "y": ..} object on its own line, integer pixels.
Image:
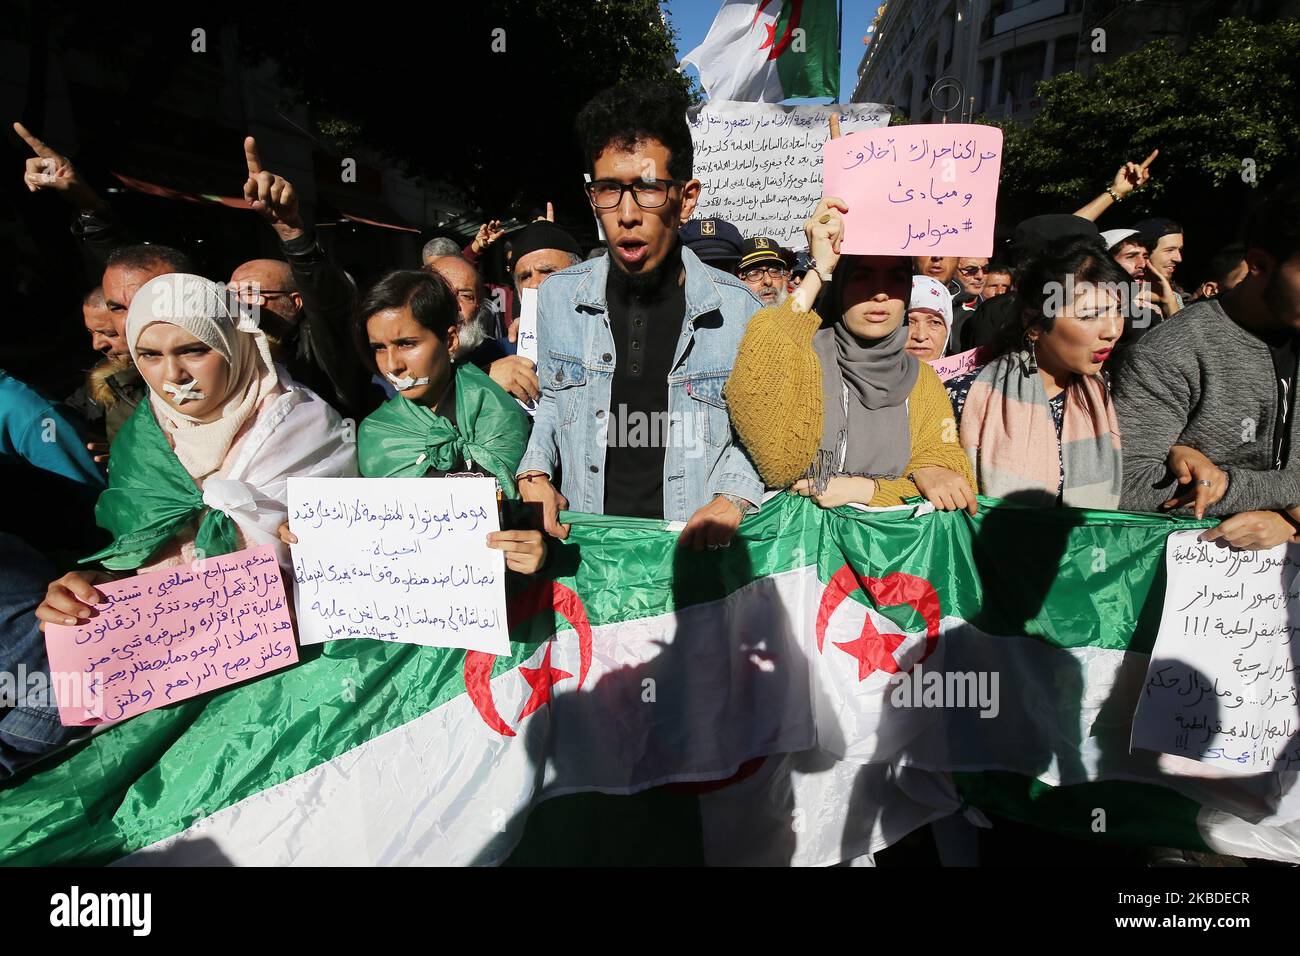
[
  {"x": 189, "y": 392},
  {"x": 402, "y": 384}
]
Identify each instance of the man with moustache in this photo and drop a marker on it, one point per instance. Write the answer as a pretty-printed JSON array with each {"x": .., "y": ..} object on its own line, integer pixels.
[
  {"x": 765, "y": 267},
  {"x": 643, "y": 335}
]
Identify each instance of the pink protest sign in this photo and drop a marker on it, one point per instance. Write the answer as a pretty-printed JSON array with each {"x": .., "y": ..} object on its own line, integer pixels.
[
  {"x": 916, "y": 190},
  {"x": 950, "y": 366},
  {"x": 170, "y": 635}
]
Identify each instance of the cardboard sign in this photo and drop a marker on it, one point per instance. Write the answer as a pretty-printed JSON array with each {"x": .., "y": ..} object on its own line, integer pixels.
[
  {"x": 170, "y": 635},
  {"x": 1221, "y": 685},
  {"x": 398, "y": 559},
  {"x": 927, "y": 190},
  {"x": 759, "y": 163}
]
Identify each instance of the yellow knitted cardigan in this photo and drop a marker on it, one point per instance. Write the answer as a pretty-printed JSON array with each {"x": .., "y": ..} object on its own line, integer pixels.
[{"x": 774, "y": 396}]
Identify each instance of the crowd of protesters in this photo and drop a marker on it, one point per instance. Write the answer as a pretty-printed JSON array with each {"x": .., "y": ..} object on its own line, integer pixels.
[{"x": 1095, "y": 380}]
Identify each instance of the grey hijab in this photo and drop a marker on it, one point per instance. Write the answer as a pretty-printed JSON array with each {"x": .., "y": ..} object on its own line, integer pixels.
[{"x": 865, "y": 386}]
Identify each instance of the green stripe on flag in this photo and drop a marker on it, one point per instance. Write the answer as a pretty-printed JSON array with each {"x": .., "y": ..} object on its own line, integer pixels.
[
  {"x": 809, "y": 63},
  {"x": 1137, "y": 814}
]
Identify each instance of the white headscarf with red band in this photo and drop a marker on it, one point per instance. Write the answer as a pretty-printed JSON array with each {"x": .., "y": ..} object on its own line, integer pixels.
[{"x": 933, "y": 296}]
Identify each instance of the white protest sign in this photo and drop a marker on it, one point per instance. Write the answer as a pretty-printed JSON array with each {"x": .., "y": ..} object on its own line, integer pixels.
[
  {"x": 760, "y": 164},
  {"x": 527, "y": 344},
  {"x": 1221, "y": 685},
  {"x": 928, "y": 190},
  {"x": 398, "y": 559},
  {"x": 600, "y": 230}
]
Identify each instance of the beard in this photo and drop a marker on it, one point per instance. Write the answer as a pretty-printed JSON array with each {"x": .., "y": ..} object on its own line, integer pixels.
[
  {"x": 641, "y": 283},
  {"x": 475, "y": 330}
]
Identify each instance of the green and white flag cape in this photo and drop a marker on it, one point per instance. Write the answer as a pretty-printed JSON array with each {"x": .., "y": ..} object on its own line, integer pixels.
[
  {"x": 764, "y": 51},
  {"x": 724, "y": 707}
]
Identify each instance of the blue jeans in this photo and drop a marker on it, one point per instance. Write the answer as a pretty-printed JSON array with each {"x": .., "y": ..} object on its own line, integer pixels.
[{"x": 29, "y": 729}]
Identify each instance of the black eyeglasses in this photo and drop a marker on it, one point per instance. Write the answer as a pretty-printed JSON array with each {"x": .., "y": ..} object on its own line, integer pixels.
[
  {"x": 648, "y": 193},
  {"x": 972, "y": 270},
  {"x": 757, "y": 272}
]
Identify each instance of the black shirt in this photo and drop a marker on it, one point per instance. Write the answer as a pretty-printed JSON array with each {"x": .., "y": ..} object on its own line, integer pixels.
[{"x": 645, "y": 320}]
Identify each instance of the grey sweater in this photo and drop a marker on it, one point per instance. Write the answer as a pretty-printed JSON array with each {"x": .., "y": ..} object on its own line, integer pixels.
[{"x": 1202, "y": 380}]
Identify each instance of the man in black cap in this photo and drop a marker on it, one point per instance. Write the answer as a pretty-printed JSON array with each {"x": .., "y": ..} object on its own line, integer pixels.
[
  {"x": 765, "y": 268},
  {"x": 537, "y": 250},
  {"x": 715, "y": 242}
]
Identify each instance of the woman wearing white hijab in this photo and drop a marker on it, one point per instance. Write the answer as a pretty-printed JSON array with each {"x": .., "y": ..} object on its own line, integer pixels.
[
  {"x": 929, "y": 319},
  {"x": 201, "y": 469}
]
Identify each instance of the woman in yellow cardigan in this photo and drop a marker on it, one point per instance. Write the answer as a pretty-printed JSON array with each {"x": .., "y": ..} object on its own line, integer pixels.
[{"x": 842, "y": 413}]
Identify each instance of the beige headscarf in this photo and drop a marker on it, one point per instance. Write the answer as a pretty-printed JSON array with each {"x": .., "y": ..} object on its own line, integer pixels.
[{"x": 199, "y": 306}]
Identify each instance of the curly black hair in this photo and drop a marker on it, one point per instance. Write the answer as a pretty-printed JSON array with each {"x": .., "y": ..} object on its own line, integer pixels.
[{"x": 624, "y": 115}]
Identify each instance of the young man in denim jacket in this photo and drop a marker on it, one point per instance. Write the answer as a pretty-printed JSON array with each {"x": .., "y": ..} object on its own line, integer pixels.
[{"x": 634, "y": 347}]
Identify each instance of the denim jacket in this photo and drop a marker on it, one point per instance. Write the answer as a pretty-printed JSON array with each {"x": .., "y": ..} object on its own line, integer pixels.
[{"x": 575, "y": 367}]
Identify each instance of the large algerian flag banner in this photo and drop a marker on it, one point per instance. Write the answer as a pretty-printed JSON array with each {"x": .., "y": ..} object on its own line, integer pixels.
[
  {"x": 659, "y": 705},
  {"x": 764, "y": 51}
]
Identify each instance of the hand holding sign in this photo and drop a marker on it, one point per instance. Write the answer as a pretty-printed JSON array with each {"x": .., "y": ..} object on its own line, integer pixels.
[
  {"x": 413, "y": 560},
  {"x": 270, "y": 195},
  {"x": 157, "y": 638},
  {"x": 70, "y": 599},
  {"x": 916, "y": 190}
]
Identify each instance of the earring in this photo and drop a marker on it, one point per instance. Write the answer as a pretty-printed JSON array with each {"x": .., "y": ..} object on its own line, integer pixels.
[{"x": 1031, "y": 357}]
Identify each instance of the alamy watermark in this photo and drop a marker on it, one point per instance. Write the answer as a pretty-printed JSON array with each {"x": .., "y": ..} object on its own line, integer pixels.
[
  {"x": 37, "y": 687},
  {"x": 624, "y": 428},
  {"x": 947, "y": 689},
  {"x": 1133, "y": 298}
]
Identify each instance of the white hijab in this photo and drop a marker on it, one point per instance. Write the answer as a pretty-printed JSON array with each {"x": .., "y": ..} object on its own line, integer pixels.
[
  {"x": 931, "y": 295},
  {"x": 199, "y": 306}
]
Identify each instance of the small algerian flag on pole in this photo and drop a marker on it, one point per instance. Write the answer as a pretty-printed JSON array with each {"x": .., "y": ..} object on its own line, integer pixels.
[{"x": 764, "y": 51}]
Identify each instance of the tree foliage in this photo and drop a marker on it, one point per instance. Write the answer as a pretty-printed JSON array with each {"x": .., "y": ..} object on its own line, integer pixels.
[{"x": 1233, "y": 96}]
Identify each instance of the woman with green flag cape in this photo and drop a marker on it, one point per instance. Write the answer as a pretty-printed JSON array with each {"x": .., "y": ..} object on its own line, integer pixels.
[
  {"x": 446, "y": 417},
  {"x": 201, "y": 469}
]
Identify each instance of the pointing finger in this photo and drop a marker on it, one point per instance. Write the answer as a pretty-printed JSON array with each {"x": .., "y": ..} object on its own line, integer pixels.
[
  {"x": 835, "y": 125},
  {"x": 1147, "y": 161},
  {"x": 250, "y": 156},
  {"x": 39, "y": 148}
]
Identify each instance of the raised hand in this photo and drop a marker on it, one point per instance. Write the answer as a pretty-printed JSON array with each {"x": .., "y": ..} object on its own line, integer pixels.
[
  {"x": 272, "y": 196},
  {"x": 1131, "y": 175},
  {"x": 51, "y": 171},
  {"x": 488, "y": 233}
]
